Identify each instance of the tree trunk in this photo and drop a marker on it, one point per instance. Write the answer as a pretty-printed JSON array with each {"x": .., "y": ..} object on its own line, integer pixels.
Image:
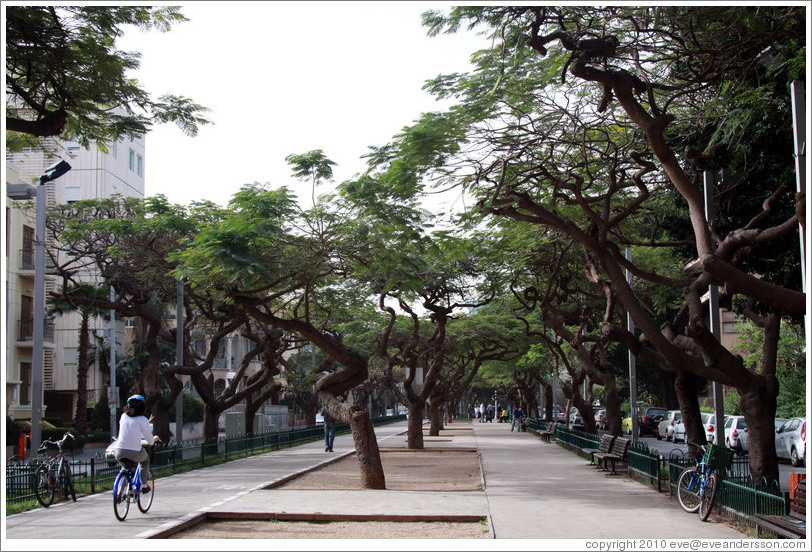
[
  {"x": 587, "y": 414},
  {"x": 548, "y": 401},
  {"x": 612, "y": 400},
  {"x": 758, "y": 402},
  {"x": 436, "y": 411},
  {"x": 415, "y": 426},
  {"x": 366, "y": 450},
  {"x": 689, "y": 407},
  {"x": 211, "y": 422},
  {"x": 80, "y": 418}
]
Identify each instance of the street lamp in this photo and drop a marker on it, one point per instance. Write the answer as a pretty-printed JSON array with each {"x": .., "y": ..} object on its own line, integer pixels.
[{"x": 51, "y": 173}]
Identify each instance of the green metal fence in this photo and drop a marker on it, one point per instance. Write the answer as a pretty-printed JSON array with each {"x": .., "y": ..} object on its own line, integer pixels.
[
  {"x": 96, "y": 474},
  {"x": 737, "y": 496}
]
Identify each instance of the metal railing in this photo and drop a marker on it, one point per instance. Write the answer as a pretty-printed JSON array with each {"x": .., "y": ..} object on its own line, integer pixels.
[
  {"x": 738, "y": 496},
  {"x": 25, "y": 330},
  {"x": 97, "y": 474}
]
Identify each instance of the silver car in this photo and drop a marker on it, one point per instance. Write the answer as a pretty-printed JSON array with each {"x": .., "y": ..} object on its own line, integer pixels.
[{"x": 790, "y": 441}]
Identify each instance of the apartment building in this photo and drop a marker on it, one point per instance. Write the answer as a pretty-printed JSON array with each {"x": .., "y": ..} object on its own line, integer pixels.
[{"x": 94, "y": 174}]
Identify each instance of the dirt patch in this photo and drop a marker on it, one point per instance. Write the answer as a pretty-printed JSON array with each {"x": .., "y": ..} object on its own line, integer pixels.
[
  {"x": 335, "y": 530},
  {"x": 420, "y": 470}
]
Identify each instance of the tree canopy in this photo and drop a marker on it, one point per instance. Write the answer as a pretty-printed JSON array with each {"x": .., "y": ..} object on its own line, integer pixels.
[{"x": 65, "y": 77}]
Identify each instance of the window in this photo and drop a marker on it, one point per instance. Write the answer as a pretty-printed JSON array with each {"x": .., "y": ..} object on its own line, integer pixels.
[
  {"x": 27, "y": 260},
  {"x": 136, "y": 163},
  {"x": 25, "y": 383},
  {"x": 70, "y": 355},
  {"x": 115, "y": 150},
  {"x": 73, "y": 194}
]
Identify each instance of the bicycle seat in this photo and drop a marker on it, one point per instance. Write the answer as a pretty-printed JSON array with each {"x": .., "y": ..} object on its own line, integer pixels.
[{"x": 127, "y": 463}]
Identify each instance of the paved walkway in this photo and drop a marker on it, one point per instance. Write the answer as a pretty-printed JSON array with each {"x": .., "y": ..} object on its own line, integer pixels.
[{"x": 532, "y": 490}]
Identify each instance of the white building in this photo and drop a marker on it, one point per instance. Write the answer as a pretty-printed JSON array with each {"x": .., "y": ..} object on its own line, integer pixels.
[{"x": 94, "y": 174}]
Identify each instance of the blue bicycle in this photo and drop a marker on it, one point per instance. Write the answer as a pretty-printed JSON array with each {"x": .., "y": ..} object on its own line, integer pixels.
[
  {"x": 127, "y": 489},
  {"x": 697, "y": 486}
]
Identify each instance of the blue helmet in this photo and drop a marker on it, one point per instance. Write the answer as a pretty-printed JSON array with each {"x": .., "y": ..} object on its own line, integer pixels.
[{"x": 136, "y": 401}]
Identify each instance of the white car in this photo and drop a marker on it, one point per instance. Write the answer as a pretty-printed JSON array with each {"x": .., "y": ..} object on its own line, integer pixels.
[
  {"x": 736, "y": 433},
  {"x": 665, "y": 429},
  {"x": 679, "y": 428},
  {"x": 790, "y": 441},
  {"x": 710, "y": 427},
  {"x": 679, "y": 432}
]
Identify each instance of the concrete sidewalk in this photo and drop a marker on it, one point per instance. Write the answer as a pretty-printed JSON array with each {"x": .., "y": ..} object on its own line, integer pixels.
[{"x": 532, "y": 490}]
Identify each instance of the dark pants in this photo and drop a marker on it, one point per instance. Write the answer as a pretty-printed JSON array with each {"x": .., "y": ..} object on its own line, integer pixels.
[{"x": 329, "y": 436}]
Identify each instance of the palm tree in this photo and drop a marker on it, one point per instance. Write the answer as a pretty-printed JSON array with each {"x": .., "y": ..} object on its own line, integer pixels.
[{"x": 62, "y": 304}]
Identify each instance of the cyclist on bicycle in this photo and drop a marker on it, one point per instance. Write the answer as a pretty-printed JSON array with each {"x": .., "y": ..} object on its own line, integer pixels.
[{"x": 133, "y": 427}]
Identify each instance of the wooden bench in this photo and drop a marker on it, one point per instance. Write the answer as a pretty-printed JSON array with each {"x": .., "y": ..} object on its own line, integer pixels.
[
  {"x": 617, "y": 453},
  {"x": 791, "y": 526},
  {"x": 549, "y": 432},
  {"x": 604, "y": 447}
]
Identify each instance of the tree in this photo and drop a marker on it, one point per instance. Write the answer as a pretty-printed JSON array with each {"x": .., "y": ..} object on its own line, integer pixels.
[
  {"x": 63, "y": 304},
  {"x": 588, "y": 113},
  {"x": 313, "y": 166},
  {"x": 126, "y": 243},
  {"x": 64, "y": 76},
  {"x": 284, "y": 270}
]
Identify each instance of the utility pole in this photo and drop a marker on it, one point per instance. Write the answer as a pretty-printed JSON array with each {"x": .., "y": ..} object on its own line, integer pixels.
[
  {"x": 713, "y": 315},
  {"x": 632, "y": 360}
]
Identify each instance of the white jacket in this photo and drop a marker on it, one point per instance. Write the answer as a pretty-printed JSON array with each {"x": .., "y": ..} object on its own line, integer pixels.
[{"x": 131, "y": 431}]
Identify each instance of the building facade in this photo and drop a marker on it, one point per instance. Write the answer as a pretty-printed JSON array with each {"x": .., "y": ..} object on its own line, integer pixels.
[{"x": 94, "y": 174}]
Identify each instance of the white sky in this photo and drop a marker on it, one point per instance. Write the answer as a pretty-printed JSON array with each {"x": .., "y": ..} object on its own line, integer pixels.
[{"x": 287, "y": 77}]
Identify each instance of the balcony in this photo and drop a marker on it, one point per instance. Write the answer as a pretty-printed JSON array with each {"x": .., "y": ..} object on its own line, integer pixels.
[
  {"x": 27, "y": 262},
  {"x": 26, "y": 259},
  {"x": 25, "y": 331}
]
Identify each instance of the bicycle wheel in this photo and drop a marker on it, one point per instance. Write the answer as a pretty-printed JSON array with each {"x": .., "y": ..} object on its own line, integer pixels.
[
  {"x": 688, "y": 490},
  {"x": 44, "y": 485},
  {"x": 708, "y": 496},
  {"x": 67, "y": 481},
  {"x": 121, "y": 499},
  {"x": 145, "y": 499}
]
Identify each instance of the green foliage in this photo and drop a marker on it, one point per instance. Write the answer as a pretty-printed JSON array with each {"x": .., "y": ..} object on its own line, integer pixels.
[
  {"x": 193, "y": 408},
  {"x": 791, "y": 363},
  {"x": 65, "y": 76}
]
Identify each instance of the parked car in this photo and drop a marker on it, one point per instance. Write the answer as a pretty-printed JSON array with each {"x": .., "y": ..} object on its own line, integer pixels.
[
  {"x": 736, "y": 433},
  {"x": 575, "y": 417},
  {"x": 679, "y": 428},
  {"x": 790, "y": 441},
  {"x": 626, "y": 425},
  {"x": 710, "y": 427},
  {"x": 665, "y": 429},
  {"x": 650, "y": 418},
  {"x": 679, "y": 432}
]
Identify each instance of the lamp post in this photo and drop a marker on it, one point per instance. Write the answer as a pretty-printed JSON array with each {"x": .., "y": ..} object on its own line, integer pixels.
[{"x": 51, "y": 173}]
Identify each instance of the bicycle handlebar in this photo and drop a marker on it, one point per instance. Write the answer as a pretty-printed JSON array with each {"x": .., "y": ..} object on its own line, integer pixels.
[{"x": 59, "y": 444}]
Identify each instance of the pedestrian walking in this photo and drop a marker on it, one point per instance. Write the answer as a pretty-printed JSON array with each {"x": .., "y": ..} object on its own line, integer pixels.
[
  {"x": 517, "y": 419},
  {"x": 329, "y": 430}
]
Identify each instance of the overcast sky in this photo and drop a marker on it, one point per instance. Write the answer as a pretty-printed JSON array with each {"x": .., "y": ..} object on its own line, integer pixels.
[{"x": 287, "y": 77}]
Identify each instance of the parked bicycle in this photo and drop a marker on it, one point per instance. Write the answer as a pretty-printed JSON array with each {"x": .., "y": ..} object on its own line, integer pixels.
[
  {"x": 697, "y": 486},
  {"x": 55, "y": 472},
  {"x": 127, "y": 488}
]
